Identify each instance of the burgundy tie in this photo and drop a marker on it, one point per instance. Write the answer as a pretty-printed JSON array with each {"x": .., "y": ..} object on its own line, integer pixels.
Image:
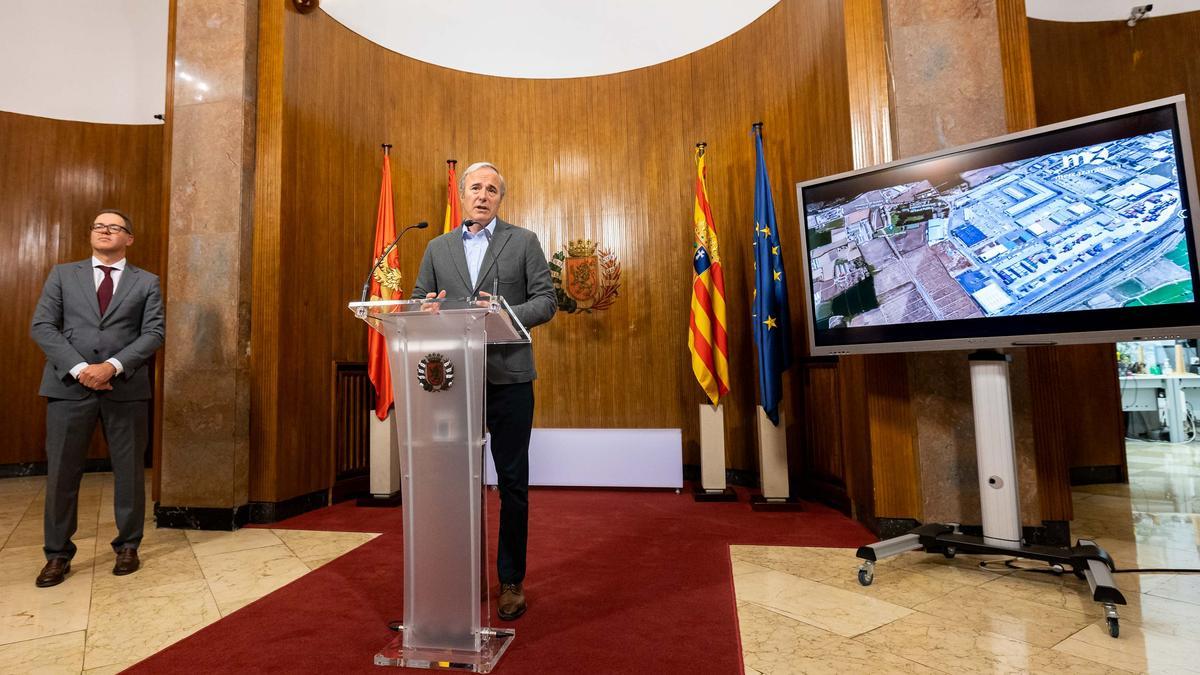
[{"x": 105, "y": 291}]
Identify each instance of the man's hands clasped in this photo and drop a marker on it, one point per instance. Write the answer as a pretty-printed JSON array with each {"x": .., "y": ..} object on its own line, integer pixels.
[{"x": 97, "y": 376}]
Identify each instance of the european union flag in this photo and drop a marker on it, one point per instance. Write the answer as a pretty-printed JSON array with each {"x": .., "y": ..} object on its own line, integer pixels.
[{"x": 772, "y": 334}]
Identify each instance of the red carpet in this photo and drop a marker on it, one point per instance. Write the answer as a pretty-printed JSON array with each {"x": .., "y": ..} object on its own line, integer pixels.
[{"x": 619, "y": 581}]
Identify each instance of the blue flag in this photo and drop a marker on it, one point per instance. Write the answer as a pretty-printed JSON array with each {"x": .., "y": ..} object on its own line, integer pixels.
[{"x": 772, "y": 334}]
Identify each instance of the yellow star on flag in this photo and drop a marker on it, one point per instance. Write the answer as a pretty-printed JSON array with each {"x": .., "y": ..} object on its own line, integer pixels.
[
  {"x": 774, "y": 250},
  {"x": 777, "y": 275},
  {"x": 770, "y": 322}
]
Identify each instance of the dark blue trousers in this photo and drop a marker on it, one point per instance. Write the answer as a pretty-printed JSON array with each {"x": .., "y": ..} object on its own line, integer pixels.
[{"x": 510, "y": 421}]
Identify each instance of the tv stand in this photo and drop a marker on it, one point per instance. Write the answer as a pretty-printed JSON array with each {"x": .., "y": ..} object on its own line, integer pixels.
[{"x": 999, "y": 501}]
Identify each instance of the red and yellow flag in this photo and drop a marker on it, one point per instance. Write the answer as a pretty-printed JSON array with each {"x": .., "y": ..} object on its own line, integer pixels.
[
  {"x": 453, "y": 208},
  {"x": 706, "y": 334},
  {"x": 384, "y": 286}
]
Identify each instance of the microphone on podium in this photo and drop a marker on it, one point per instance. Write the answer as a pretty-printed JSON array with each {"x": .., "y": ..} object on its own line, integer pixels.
[{"x": 366, "y": 289}]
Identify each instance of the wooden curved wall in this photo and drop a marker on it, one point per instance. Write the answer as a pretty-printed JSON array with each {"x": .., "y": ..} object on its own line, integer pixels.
[
  {"x": 1085, "y": 68},
  {"x": 607, "y": 158},
  {"x": 53, "y": 178}
]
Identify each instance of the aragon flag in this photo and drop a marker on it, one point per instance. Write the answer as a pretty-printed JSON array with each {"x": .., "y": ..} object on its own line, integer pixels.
[
  {"x": 770, "y": 319},
  {"x": 385, "y": 285},
  {"x": 706, "y": 333},
  {"x": 453, "y": 208}
]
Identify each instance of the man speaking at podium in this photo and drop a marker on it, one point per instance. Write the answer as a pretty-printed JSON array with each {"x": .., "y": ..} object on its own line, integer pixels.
[{"x": 488, "y": 253}]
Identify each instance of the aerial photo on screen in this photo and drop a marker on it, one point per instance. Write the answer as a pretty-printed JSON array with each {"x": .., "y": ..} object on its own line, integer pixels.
[{"x": 1090, "y": 228}]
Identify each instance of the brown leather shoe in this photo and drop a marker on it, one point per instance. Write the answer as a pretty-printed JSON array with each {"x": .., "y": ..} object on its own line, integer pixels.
[
  {"x": 54, "y": 572},
  {"x": 512, "y": 601},
  {"x": 127, "y": 562}
]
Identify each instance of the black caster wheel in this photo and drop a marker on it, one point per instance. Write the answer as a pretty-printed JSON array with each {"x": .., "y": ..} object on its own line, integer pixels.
[
  {"x": 949, "y": 552},
  {"x": 1114, "y": 627},
  {"x": 865, "y": 577}
]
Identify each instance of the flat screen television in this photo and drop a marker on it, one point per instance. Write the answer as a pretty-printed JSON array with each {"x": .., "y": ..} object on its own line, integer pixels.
[{"x": 1069, "y": 233}]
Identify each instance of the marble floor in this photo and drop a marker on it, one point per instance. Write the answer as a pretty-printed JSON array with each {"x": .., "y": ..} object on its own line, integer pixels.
[
  {"x": 801, "y": 610},
  {"x": 95, "y": 622}
]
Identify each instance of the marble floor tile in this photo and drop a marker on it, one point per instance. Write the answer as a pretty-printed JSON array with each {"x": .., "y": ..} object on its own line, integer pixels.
[
  {"x": 1182, "y": 587},
  {"x": 22, "y": 485},
  {"x": 961, "y": 570},
  {"x": 317, "y": 548},
  {"x": 832, "y": 609},
  {"x": 987, "y": 611},
  {"x": 47, "y": 655},
  {"x": 28, "y": 612},
  {"x": 899, "y": 586},
  {"x": 110, "y": 669},
  {"x": 950, "y": 647},
  {"x": 1110, "y": 489},
  {"x": 126, "y": 626},
  {"x": 1148, "y": 555},
  {"x": 1137, "y": 649},
  {"x": 208, "y": 542},
  {"x": 30, "y": 530},
  {"x": 238, "y": 578},
  {"x": 778, "y": 645},
  {"x": 814, "y": 563},
  {"x": 7, "y": 525},
  {"x": 165, "y": 559}
]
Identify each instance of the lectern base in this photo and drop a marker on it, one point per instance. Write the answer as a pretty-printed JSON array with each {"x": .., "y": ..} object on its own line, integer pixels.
[{"x": 494, "y": 644}]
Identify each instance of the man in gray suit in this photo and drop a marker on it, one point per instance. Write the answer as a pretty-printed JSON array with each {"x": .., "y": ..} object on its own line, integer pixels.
[
  {"x": 488, "y": 253},
  {"x": 98, "y": 321}
]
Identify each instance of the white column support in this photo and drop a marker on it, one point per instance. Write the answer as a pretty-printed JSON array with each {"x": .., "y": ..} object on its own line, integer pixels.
[
  {"x": 772, "y": 457},
  {"x": 995, "y": 449},
  {"x": 385, "y": 456}
]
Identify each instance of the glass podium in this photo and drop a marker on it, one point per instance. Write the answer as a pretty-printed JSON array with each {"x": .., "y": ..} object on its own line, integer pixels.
[{"x": 437, "y": 351}]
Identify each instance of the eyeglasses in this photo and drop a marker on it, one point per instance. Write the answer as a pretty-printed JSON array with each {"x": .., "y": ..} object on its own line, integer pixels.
[{"x": 111, "y": 229}]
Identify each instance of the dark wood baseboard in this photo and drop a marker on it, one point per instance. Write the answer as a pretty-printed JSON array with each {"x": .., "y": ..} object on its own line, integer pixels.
[
  {"x": 201, "y": 517},
  {"x": 1092, "y": 475}
]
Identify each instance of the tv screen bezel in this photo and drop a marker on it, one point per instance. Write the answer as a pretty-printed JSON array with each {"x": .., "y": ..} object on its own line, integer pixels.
[{"x": 1152, "y": 322}]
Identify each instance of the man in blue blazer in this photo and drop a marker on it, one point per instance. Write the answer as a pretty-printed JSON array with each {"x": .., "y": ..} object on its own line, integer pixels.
[
  {"x": 487, "y": 253},
  {"x": 98, "y": 321}
]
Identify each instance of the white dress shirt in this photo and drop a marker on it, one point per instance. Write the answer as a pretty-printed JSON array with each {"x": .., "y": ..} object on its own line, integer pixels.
[
  {"x": 97, "y": 277},
  {"x": 475, "y": 246}
]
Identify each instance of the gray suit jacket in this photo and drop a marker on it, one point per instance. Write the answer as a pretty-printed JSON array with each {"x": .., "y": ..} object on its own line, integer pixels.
[
  {"x": 68, "y": 327},
  {"x": 516, "y": 265}
]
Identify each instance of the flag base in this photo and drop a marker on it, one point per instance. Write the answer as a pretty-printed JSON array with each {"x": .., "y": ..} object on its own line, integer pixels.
[
  {"x": 392, "y": 499},
  {"x": 761, "y": 503},
  {"x": 700, "y": 494}
]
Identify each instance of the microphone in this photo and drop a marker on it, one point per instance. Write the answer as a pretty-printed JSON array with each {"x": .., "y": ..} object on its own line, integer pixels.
[{"x": 366, "y": 289}]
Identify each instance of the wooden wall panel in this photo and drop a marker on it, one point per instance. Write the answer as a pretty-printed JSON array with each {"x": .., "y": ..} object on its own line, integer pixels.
[
  {"x": 1085, "y": 68},
  {"x": 53, "y": 178},
  {"x": 271, "y": 479},
  {"x": 1080, "y": 69},
  {"x": 607, "y": 158}
]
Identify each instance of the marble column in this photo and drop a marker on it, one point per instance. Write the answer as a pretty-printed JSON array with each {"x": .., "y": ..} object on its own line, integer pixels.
[
  {"x": 948, "y": 90},
  {"x": 206, "y": 402}
]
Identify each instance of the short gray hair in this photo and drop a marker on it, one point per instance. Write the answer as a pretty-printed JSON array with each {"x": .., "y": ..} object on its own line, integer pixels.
[{"x": 462, "y": 180}]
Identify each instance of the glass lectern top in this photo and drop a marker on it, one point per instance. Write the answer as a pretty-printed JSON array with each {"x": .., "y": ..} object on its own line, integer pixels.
[{"x": 503, "y": 327}]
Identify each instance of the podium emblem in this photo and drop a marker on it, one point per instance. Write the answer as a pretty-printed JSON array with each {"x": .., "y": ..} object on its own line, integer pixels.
[
  {"x": 435, "y": 372},
  {"x": 586, "y": 277}
]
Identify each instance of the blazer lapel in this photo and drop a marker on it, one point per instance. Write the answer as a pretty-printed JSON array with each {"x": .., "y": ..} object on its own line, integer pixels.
[
  {"x": 86, "y": 279},
  {"x": 499, "y": 239},
  {"x": 129, "y": 277},
  {"x": 458, "y": 253}
]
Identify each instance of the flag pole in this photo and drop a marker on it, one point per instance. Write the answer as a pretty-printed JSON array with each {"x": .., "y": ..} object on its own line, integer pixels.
[{"x": 713, "y": 486}]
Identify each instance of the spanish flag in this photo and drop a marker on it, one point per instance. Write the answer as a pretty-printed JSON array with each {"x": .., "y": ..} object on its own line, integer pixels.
[
  {"x": 385, "y": 232},
  {"x": 453, "y": 207},
  {"x": 706, "y": 336}
]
